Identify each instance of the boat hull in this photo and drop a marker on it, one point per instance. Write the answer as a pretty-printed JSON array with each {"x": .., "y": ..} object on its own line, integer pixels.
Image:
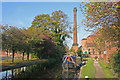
[{"x": 69, "y": 66}]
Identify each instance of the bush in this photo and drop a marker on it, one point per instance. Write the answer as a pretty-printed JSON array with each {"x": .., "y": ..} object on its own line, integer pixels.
[
  {"x": 107, "y": 71},
  {"x": 79, "y": 51},
  {"x": 33, "y": 55},
  {"x": 114, "y": 61}
]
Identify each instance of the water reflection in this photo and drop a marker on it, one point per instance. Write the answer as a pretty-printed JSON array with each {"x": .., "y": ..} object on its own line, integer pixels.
[
  {"x": 12, "y": 73},
  {"x": 69, "y": 74},
  {"x": 40, "y": 71}
]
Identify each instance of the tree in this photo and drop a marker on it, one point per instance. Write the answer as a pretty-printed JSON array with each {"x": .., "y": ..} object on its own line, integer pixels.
[
  {"x": 105, "y": 15},
  {"x": 12, "y": 39},
  {"x": 79, "y": 51},
  {"x": 15, "y": 37},
  {"x": 42, "y": 20},
  {"x": 66, "y": 47},
  {"x": 25, "y": 43},
  {"x": 5, "y": 39},
  {"x": 56, "y": 26},
  {"x": 60, "y": 26},
  {"x": 42, "y": 44},
  {"x": 99, "y": 14}
]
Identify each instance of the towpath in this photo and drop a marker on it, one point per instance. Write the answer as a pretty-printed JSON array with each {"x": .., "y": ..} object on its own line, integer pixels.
[{"x": 99, "y": 71}]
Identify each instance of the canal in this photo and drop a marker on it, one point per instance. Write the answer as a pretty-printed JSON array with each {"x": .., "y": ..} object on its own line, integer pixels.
[{"x": 40, "y": 71}]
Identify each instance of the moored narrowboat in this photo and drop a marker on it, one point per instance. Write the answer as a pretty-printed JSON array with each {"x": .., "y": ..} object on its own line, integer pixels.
[{"x": 69, "y": 62}]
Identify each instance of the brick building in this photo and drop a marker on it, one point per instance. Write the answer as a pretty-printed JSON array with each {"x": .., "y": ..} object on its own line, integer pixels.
[
  {"x": 109, "y": 49},
  {"x": 4, "y": 53},
  {"x": 91, "y": 49},
  {"x": 88, "y": 46}
]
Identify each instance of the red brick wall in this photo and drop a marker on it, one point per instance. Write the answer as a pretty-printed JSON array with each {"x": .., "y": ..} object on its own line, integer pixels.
[
  {"x": 3, "y": 53},
  {"x": 84, "y": 47},
  {"x": 94, "y": 55},
  {"x": 83, "y": 42},
  {"x": 91, "y": 39}
]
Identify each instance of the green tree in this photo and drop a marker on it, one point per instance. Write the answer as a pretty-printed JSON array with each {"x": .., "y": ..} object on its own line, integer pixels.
[
  {"x": 14, "y": 42},
  {"x": 23, "y": 47},
  {"x": 56, "y": 26},
  {"x": 12, "y": 39},
  {"x": 42, "y": 44},
  {"x": 5, "y": 39},
  {"x": 60, "y": 26},
  {"x": 66, "y": 47},
  {"x": 79, "y": 51}
]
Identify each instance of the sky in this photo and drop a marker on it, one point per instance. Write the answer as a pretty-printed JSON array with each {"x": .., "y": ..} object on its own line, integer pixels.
[{"x": 21, "y": 14}]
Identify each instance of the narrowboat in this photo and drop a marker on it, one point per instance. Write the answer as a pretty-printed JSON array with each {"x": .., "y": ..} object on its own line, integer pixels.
[{"x": 69, "y": 62}]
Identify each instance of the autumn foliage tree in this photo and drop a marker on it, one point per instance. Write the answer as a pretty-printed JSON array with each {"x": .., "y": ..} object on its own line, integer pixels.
[
  {"x": 105, "y": 15},
  {"x": 102, "y": 14}
]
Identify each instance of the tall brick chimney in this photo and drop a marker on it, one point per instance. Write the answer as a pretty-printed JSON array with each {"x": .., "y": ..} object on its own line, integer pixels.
[{"x": 75, "y": 45}]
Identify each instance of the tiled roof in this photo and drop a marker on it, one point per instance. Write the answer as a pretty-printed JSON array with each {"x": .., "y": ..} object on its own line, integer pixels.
[{"x": 91, "y": 45}]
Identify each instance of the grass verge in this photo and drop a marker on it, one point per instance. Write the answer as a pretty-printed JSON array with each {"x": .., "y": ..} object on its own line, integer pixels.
[
  {"x": 19, "y": 60},
  {"x": 107, "y": 72},
  {"x": 17, "y": 64},
  {"x": 89, "y": 69}
]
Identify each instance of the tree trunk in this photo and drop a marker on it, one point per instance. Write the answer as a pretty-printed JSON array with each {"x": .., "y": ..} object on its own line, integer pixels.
[
  {"x": 23, "y": 56},
  {"x": 100, "y": 55},
  {"x": 6, "y": 74},
  {"x": 13, "y": 56},
  {"x": 17, "y": 55},
  {"x": 12, "y": 73},
  {"x": 28, "y": 56},
  {"x": 7, "y": 55}
]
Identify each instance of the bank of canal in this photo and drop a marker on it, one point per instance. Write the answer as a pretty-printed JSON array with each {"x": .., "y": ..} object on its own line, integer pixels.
[{"x": 46, "y": 70}]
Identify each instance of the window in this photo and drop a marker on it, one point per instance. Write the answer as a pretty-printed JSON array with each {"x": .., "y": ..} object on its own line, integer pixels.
[
  {"x": 89, "y": 51},
  {"x": 93, "y": 51},
  {"x": 85, "y": 52}
]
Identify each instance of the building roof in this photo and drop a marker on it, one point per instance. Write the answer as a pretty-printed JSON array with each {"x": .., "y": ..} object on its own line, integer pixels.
[
  {"x": 91, "y": 36},
  {"x": 91, "y": 44},
  {"x": 84, "y": 39}
]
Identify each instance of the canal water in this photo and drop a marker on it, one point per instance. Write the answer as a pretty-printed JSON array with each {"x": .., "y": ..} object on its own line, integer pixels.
[{"x": 40, "y": 71}]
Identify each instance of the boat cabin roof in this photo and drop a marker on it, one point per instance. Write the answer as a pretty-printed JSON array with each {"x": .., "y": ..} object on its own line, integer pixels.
[{"x": 71, "y": 58}]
